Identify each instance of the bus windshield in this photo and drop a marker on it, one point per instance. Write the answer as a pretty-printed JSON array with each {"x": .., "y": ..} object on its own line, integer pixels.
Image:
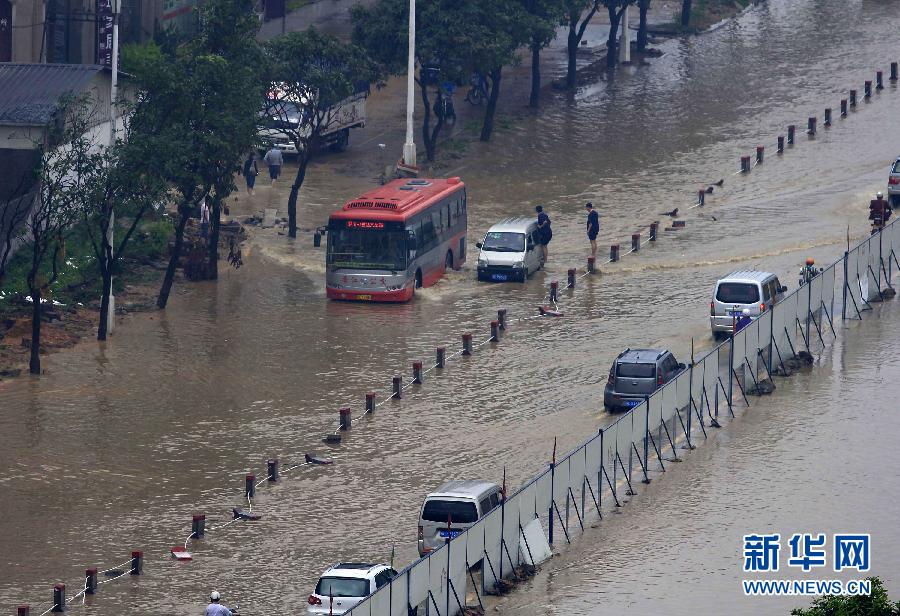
[
  {"x": 504, "y": 242},
  {"x": 367, "y": 249}
]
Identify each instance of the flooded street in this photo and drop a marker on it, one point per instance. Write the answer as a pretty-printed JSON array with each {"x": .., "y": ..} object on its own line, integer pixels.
[{"x": 118, "y": 445}]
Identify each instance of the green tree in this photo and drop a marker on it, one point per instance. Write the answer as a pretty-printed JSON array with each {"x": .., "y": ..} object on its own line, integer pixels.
[
  {"x": 875, "y": 604},
  {"x": 615, "y": 8},
  {"x": 311, "y": 72},
  {"x": 577, "y": 20},
  {"x": 543, "y": 18},
  {"x": 685, "y": 13}
]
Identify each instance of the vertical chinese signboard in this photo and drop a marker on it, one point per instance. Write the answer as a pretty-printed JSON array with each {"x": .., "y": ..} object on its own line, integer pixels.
[{"x": 104, "y": 32}]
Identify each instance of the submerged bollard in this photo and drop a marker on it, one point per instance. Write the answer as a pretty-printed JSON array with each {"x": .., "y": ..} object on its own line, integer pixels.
[
  {"x": 781, "y": 144},
  {"x": 417, "y": 373},
  {"x": 440, "y": 354},
  {"x": 467, "y": 343},
  {"x": 501, "y": 318},
  {"x": 745, "y": 164},
  {"x": 679, "y": 224},
  {"x": 370, "y": 402},
  {"x": 198, "y": 525},
  {"x": 591, "y": 264},
  {"x": 791, "y": 130},
  {"x": 398, "y": 390},
  {"x": 614, "y": 253},
  {"x": 635, "y": 242},
  {"x": 346, "y": 420},
  {"x": 554, "y": 291},
  {"x": 654, "y": 226},
  {"x": 90, "y": 581},
  {"x": 701, "y": 197},
  {"x": 570, "y": 279},
  {"x": 811, "y": 126},
  {"x": 879, "y": 80},
  {"x": 272, "y": 468},
  {"x": 853, "y": 98},
  {"x": 59, "y": 598},
  {"x": 893, "y": 71},
  {"x": 760, "y": 154},
  {"x": 827, "y": 121},
  {"x": 249, "y": 486},
  {"x": 317, "y": 240},
  {"x": 137, "y": 557},
  {"x": 23, "y": 610},
  {"x": 495, "y": 331},
  {"x": 867, "y": 89},
  {"x": 843, "y": 107}
]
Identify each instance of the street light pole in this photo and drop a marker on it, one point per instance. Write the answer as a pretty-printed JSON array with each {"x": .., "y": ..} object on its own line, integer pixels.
[
  {"x": 409, "y": 148},
  {"x": 116, "y": 6}
]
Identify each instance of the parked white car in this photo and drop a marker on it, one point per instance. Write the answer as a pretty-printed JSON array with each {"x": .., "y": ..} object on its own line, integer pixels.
[{"x": 345, "y": 585}]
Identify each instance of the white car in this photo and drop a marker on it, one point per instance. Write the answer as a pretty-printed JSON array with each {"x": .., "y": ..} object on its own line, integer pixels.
[{"x": 345, "y": 585}]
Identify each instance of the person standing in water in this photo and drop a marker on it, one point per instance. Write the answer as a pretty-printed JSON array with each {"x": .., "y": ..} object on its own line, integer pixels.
[{"x": 545, "y": 233}]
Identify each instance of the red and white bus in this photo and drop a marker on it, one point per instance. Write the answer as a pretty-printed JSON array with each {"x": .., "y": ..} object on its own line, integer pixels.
[{"x": 388, "y": 242}]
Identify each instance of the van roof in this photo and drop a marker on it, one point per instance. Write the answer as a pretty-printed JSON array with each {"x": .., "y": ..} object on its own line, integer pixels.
[
  {"x": 515, "y": 225},
  {"x": 747, "y": 276},
  {"x": 640, "y": 356},
  {"x": 463, "y": 488}
]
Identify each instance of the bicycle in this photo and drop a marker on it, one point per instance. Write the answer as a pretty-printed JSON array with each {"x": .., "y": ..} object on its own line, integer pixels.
[{"x": 478, "y": 92}]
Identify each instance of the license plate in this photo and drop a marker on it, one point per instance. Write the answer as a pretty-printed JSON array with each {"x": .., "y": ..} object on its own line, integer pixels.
[
  {"x": 632, "y": 402},
  {"x": 449, "y": 533},
  {"x": 735, "y": 313},
  {"x": 364, "y": 297},
  {"x": 500, "y": 277}
]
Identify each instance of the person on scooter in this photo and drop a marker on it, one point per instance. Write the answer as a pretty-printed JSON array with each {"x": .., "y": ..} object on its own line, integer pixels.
[{"x": 215, "y": 608}]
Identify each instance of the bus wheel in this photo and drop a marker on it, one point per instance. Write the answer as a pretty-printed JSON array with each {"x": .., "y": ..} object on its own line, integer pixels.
[
  {"x": 418, "y": 279},
  {"x": 448, "y": 262}
]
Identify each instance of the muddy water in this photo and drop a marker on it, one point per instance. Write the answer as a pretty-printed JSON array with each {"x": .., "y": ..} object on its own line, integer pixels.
[{"x": 118, "y": 445}]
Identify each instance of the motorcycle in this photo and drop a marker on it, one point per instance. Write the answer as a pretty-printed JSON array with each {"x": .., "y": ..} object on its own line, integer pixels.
[{"x": 477, "y": 93}]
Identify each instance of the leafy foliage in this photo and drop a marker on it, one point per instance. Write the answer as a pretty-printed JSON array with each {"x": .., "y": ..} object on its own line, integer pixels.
[{"x": 876, "y": 604}]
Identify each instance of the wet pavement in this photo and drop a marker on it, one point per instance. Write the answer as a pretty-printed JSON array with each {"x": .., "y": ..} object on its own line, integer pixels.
[{"x": 119, "y": 444}]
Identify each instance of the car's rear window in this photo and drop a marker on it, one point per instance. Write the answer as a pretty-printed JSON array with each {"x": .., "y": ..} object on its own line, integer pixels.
[
  {"x": 342, "y": 587},
  {"x": 637, "y": 371},
  {"x": 460, "y": 512},
  {"x": 737, "y": 293},
  {"x": 896, "y": 168}
]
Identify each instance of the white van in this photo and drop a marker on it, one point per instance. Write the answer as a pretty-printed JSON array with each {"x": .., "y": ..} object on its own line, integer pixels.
[
  {"x": 460, "y": 502},
  {"x": 745, "y": 289},
  {"x": 510, "y": 251}
]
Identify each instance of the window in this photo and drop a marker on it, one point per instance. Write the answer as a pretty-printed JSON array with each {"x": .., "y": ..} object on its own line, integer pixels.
[
  {"x": 767, "y": 291},
  {"x": 437, "y": 220},
  {"x": 367, "y": 249},
  {"x": 495, "y": 500},
  {"x": 383, "y": 578},
  {"x": 896, "y": 168},
  {"x": 737, "y": 293},
  {"x": 459, "y": 512},
  {"x": 429, "y": 238},
  {"x": 342, "y": 587},
  {"x": 485, "y": 505},
  {"x": 501, "y": 241},
  {"x": 637, "y": 371}
]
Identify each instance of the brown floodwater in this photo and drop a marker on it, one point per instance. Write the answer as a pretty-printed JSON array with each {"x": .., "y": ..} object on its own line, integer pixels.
[{"x": 118, "y": 444}]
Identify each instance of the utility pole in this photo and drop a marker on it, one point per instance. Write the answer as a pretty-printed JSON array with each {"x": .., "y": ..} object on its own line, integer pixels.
[
  {"x": 625, "y": 39},
  {"x": 409, "y": 148},
  {"x": 116, "y": 6}
]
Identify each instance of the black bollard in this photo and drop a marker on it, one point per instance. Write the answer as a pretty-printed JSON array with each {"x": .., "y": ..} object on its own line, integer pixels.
[
  {"x": 59, "y": 598},
  {"x": 23, "y": 610},
  {"x": 781, "y": 144},
  {"x": 893, "y": 71},
  {"x": 370, "y": 402},
  {"x": 501, "y": 318},
  {"x": 440, "y": 355},
  {"x": 760, "y": 154},
  {"x": 827, "y": 121},
  {"x": 198, "y": 523},
  {"x": 495, "y": 331},
  {"x": 654, "y": 226},
  {"x": 853, "y": 98},
  {"x": 317, "y": 240},
  {"x": 250, "y": 486},
  {"x": 346, "y": 420},
  {"x": 791, "y": 130},
  {"x": 635, "y": 242},
  {"x": 701, "y": 197},
  {"x": 591, "y": 264},
  {"x": 90, "y": 581},
  {"x": 867, "y": 89},
  {"x": 811, "y": 127},
  {"x": 272, "y": 468},
  {"x": 137, "y": 557},
  {"x": 843, "y": 107},
  {"x": 745, "y": 164},
  {"x": 398, "y": 390},
  {"x": 554, "y": 291},
  {"x": 417, "y": 373},
  {"x": 570, "y": 279},
  {"x": 614, "y": 253},
  {"x": 879, "y": 80},
  {"x": 467, "y": 343}
]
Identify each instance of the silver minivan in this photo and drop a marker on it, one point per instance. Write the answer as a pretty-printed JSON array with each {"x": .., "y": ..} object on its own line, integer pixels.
[
  {"x": 744, "y": 289},
  {"x": 510, "y": 251},
  {"x": 461, "y": 503}
]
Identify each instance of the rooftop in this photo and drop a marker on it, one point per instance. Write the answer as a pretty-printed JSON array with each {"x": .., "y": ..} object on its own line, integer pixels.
[{"x": 30, "y": 93}]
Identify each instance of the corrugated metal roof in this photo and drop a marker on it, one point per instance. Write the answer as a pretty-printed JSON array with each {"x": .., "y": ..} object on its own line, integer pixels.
[{"x": 30, "y": 93}]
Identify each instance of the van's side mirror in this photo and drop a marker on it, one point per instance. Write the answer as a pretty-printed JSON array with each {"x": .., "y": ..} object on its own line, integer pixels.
[
  {"x": 682, "y": 367},
  {"x": 783, "y": 289},
  {"x": 478, "y": 245}
]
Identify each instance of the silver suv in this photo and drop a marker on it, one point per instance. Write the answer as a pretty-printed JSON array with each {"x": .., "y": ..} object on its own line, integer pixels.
[
  {"x": 637, "y": 373},
  {"x": 894, "y": 184}
]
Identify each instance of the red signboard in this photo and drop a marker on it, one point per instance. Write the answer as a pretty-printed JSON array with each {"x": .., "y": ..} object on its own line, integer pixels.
[{"x": 364, "y": 224}]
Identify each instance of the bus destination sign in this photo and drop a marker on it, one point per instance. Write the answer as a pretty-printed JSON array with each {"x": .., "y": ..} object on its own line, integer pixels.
[{"x": 364, "y": 224}]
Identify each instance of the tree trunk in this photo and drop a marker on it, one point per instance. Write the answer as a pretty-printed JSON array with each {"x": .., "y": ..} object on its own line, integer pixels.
[
  {"x": 429, "y": 137},
  {"x": 644, "y": 6},
  {"x": 103, "y": 328},
  {"x": 34, "y": 365},
  {"x": 612, "y": 43},
  {"x": 488, "y": 127},
  {"x": 685, "y": 13},
  {"x": 163, "y": 298},
  {"x": 572, "y": 49},
  {"x": 535, "y": 99},
  {"x": 212, "y": 262}
]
